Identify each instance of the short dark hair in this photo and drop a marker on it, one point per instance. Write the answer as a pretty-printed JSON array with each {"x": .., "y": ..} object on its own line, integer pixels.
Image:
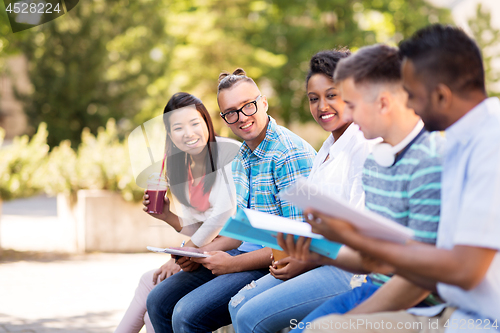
[
  {"x": 325, "y": 62},
  {"x": 227, "y": 80},
  {"x": 445, "y": 54},
  {"x": 177, "y": 160},
  {"x": 371, "y": 64}
]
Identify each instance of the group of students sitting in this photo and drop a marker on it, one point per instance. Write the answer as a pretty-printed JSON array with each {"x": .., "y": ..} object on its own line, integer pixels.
[{"x": 386, "y": 109}]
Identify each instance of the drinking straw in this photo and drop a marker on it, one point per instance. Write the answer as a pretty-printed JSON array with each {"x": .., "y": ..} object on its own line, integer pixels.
[{"x": 147, "y": 144}]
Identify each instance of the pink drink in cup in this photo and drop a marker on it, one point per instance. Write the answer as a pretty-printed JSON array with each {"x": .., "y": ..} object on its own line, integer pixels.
[{"x": 157, "y": 187}]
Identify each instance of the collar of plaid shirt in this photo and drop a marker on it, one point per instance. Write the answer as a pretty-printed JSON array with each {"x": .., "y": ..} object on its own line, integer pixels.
[
  {"x": 263, "y": 147},
  {"x": 257, "y": 179}
]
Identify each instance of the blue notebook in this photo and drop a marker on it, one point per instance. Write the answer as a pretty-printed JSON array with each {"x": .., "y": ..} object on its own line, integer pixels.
[{"x": 261, "y": 228}]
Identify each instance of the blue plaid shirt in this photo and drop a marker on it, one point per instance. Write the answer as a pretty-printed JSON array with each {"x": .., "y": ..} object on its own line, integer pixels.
[{"x": 259, "y": 175}]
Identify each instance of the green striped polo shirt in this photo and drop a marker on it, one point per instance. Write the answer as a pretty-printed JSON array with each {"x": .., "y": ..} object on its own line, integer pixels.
[{"x": 409, "y": 191}]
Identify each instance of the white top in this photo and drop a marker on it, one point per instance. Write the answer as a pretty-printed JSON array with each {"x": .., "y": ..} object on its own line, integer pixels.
[
  {"x": 342, "y": 173},
  {"x": 203, "y": 227},
  {"x": 470, "y": 211}
]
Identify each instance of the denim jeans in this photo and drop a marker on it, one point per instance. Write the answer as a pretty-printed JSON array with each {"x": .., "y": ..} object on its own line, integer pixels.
[
  {"x": 270, "y": 304},
  {"x": 196, "y": 301},
  {"x": 338, "y": 305}
]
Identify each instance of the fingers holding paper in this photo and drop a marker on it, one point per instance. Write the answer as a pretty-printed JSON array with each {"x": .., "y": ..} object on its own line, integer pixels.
[
  {"x": 331, "y": 228},
  {"x": 219, "y": 262},
  {"x": 300, "y": 250},
  {"x": 294, "y": 250},
  {"x": 186, "y": 264},
  {"x": 190, "y": 266}
]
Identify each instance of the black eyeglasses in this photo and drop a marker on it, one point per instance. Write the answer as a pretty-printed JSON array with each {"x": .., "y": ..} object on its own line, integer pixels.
[{"x": 248, "y": 109}]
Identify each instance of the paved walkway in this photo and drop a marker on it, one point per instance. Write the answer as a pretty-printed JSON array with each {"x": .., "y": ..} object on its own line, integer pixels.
[
  {"x": 77, "y": 294},
  {"x": 48, "y": 292}
]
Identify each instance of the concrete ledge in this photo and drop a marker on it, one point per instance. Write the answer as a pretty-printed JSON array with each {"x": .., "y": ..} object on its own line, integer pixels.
[
  {"x": 99, "y": 221},
  {"x": 104, "y": 221}
]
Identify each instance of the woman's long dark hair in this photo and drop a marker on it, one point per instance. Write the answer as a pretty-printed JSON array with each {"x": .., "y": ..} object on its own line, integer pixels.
[{"x": 177, "y": 160}]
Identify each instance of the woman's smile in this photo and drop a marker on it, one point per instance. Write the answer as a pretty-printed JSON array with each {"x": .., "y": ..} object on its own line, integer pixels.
[{"x": 327, "y": 116}]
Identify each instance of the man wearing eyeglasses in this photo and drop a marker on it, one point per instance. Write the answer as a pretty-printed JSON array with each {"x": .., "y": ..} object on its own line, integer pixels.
[
  {"x": 249, "y": 109},
  {"x": 270, "y": 159}
]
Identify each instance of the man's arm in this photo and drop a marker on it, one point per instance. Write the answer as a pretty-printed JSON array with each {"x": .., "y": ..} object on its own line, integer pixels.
[
  {"x": 419, "y": 280},
  {"x": 396, "y": 294},
  {"x": 377, "y": 266},
  {"x": 463, "y": 266},
  {"x": 221, "y": 243},
  {"x": 257, "y": 259},
  {"x": 347, "y": 259}
]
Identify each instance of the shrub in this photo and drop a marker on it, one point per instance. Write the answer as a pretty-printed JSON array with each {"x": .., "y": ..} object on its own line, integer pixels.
[
  {"x": 23, "y": 164},
  {"x": 101, "y": 162}
]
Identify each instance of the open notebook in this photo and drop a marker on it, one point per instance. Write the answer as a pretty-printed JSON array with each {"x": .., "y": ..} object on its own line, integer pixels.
[
  {"x": 307, "y": 195},
  {"x": 261, "y": 228}
]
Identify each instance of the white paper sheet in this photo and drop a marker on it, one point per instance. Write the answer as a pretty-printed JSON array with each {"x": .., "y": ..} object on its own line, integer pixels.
[
  {"x": 307, "y": 195},
  {"x": 279, "y": 224}
]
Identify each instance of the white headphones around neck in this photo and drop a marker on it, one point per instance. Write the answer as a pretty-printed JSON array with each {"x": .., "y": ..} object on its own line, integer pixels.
[{"x": 385, "y": 154}]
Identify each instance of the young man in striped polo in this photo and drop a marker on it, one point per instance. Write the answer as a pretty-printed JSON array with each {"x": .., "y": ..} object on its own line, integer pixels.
[{"x": 402, "y": 177}]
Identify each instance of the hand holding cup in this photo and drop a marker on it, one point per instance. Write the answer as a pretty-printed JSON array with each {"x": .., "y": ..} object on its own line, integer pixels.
[
  {"x": 156, "y": 204},
  {"x": 155, "y": 196}
]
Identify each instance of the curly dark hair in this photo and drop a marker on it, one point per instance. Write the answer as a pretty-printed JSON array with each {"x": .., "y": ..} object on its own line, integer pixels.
[{"x": 325, "y": 62}]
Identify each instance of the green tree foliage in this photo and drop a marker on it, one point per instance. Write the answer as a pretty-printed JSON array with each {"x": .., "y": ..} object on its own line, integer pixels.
[
  {"x": 273, "y": 41},
  {"x": 487, "y": 38},
  {"x": 92, "y": 64},
  {"x": 5, "y": 31},
  {"x": 8, "y": 40},
  {"x": 124, "y": 58},
  {"x": 101, "y": 162},
  {"x": 342, "y": 23}
]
